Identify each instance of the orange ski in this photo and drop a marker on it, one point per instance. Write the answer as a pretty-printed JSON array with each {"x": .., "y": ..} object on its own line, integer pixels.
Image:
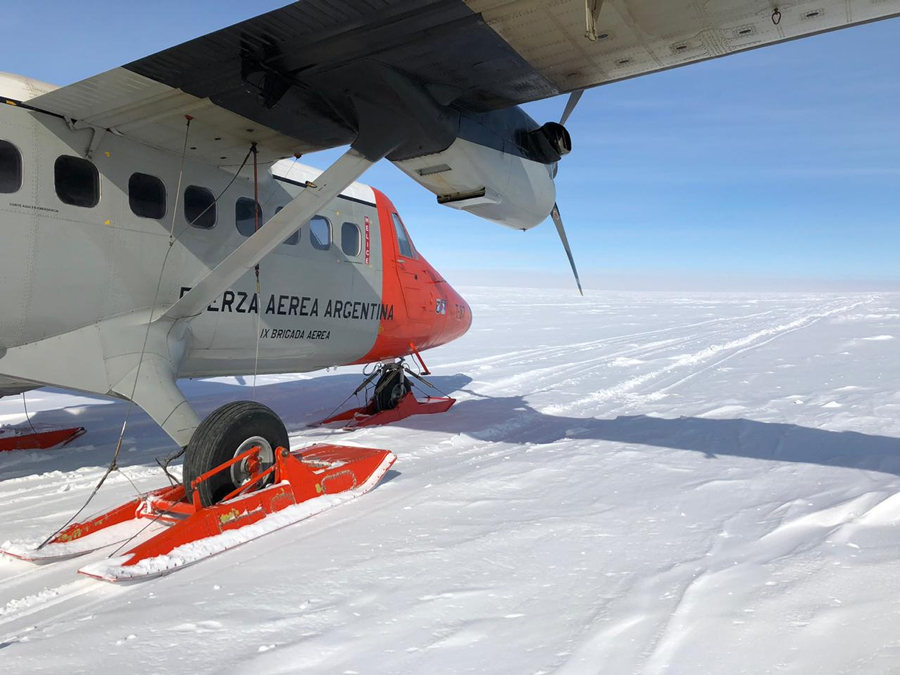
[{"x": 302, "y": 484}]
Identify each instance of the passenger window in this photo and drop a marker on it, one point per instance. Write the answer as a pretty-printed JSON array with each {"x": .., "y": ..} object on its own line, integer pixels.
[
  {"x": 406, "y": 248},
  {"x": 199, "y": 207},
  {"x": 147, "y": 196},
  {"x": 320, "y": 233},
  {"x": 77, "y": 181},
  {"x": 350, "y": 239},
  {"x": 10, "y": 168},
  {"x": 243, "y": 216},
  {"x": 294, "y": 238}
]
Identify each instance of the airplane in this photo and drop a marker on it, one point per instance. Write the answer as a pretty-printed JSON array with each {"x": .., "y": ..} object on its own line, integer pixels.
[{"x": 155, "y": 224}]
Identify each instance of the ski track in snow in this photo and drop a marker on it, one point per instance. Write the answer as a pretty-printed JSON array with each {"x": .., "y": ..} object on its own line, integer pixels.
[{"x": 629, "y": 483}]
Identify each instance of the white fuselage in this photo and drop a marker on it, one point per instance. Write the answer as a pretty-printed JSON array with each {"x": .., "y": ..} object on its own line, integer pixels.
[{"x": 65, "y": 267}]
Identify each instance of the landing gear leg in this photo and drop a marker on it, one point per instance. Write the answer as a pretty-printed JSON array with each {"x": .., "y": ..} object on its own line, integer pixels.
[
  {"x": 391, "y": 387},
  {"x": 159, "y": 396},
  {"x": 392, "y": 401}
]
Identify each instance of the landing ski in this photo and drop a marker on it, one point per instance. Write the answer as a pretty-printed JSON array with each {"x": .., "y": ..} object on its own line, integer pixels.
[
  {"x": 37, "y": 438},
  {"x": 177, "y": 531}
]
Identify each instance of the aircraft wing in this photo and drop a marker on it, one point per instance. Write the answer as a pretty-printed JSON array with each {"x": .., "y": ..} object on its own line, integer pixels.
[
  {"x": 309, "y": 75},
  {"x": 637, "y": 37}
]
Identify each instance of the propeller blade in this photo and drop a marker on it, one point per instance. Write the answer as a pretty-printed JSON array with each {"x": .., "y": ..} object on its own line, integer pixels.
[
  {"x": 574, "y": 97},
  {"x": 557, "y": 220}
]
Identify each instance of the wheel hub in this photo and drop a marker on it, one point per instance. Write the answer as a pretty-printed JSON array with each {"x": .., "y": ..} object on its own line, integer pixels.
[
  {"x": 397, "y": 393},
  {"x": 252, "y": 465}
]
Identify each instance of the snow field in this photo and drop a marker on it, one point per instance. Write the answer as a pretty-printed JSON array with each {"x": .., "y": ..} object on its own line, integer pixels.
[{"x": 629, "y": 483}]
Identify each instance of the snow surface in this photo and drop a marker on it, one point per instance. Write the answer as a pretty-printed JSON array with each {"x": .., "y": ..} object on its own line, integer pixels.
[{"x": 630, "y": 483}]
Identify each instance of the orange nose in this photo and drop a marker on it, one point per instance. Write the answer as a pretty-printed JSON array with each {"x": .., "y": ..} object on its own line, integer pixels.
[{"x": 458, "y": 318}]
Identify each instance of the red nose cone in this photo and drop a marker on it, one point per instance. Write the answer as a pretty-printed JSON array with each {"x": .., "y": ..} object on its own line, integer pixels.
[
  {"x": 449, "y": 315},
  {"x": 425, "y": 311},
  {"x": 459, "y": 316}
]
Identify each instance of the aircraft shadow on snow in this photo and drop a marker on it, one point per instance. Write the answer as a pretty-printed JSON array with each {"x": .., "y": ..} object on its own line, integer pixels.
[
  {"x": 499, "y": 419},
  {"x": 513, "y": 420}
]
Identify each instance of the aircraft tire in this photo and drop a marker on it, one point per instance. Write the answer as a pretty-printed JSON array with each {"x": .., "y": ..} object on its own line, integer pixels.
[
  {"x": 390, "y": 390},
  {"x": 228, "y": 431}
]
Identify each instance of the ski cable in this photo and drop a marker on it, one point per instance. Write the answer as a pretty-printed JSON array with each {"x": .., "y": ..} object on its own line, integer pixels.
[
  {"x": 113, "y": 465},
  {"x": 173, "y": 237},
  {"x": 365, "y": 383},
  {"x": 256, "y": 226},
  {"x": 130, "y": 539},
  {"x": 164, "y": 462},
  {"x": 431, "y": 385},
  {"x": 27, "y": 416}
]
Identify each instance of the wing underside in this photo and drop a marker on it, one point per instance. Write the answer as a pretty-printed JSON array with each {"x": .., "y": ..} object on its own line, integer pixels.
[
  {"x": 315, "y": 74},
  {"x": 638, "y": 37}
]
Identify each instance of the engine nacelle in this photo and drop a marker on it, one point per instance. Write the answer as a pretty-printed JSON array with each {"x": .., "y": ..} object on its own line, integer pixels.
[{"x": 500, "y": 168}]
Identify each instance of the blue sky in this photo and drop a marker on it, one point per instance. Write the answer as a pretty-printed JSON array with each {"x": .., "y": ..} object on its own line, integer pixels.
[{"x": 778, "y": 166}]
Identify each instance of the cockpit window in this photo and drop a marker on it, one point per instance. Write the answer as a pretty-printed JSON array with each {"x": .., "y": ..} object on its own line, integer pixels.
[{"x": 406, "y": 247}]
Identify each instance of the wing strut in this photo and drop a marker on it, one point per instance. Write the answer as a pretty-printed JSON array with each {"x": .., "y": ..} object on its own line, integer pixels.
[{"x": 337, "y": 178}]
